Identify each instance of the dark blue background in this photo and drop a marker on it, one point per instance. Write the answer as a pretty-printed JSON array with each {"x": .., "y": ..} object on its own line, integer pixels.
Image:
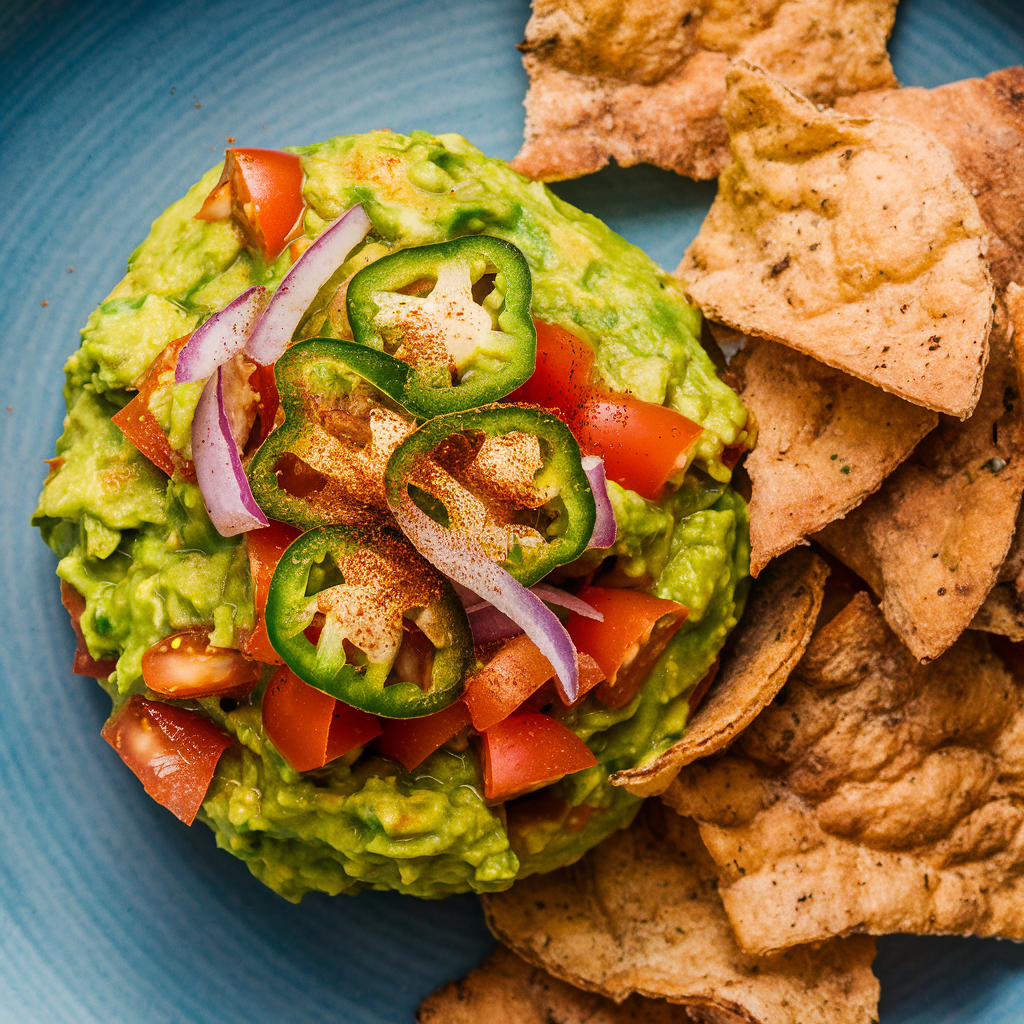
[{"x": 110, "y": 910}]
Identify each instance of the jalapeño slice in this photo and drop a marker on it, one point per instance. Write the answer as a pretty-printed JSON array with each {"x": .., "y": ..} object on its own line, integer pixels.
[
  {"x": 510, "y": 477},
  {"x": 446, "y": 327},
  {"x": 325, "y": 463},
  {"x": 393, "y": 635}
]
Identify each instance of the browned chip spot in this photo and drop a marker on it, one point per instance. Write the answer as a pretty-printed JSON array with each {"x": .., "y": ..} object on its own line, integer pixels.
[
  {"x": 885, "y": 277},
  {"x": 642, "y": 81},
  {"x": 506, "y": 990},
  {"x": 981, "y": 121},
  {"x": 931, "y": 542},
  {"x": 825, "y": 441},
  {"x": 762, "y": 651},
  {"x": 875, "y": 794},
  {"x": 641, "y": 913}
]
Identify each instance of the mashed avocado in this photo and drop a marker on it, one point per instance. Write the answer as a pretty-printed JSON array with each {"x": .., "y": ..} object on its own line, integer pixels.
[{"x": 142, "y": 552}]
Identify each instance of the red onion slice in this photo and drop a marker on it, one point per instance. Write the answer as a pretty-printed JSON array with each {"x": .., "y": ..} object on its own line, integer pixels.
[
  {"x": 488, "y": 624},
  {"x": 462, "y": 559},
  {"x": 605, "y": 529},
  {"x": 222, "y": 481},
  {"x": 552, "y": 595},
  {"x": 296, "y": 292},
  {"x": 220, "y": 337}
]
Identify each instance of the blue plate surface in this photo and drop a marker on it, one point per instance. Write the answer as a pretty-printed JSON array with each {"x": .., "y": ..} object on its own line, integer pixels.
[{"x": 110, "y": 910}]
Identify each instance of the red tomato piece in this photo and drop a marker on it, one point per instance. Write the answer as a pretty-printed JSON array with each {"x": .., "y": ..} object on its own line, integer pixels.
[
  {"x": 184, "y": 666},
  {"x": 732, "y": 454},
  {"x": 264, "y": 383},
  {"x": 643, "y": 445},
  {"x": 561, "y": 379},
  {"x": 265, "y": 549},
  {"x": 410, "y": 741},
  {"x": 636, "y": 629},
  {"x": 85, "y": 664},
  {"x": 174, "y": 752},
  {"x": 309, "y": 727},
  {"x": 516, "y": 671},
  {"x": 139, "y": 425},
  {"x": 529, "y": 750},
  {"x": 263, "y": 189}
]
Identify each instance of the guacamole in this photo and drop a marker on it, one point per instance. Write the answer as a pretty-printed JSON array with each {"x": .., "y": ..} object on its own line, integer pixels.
[{"x": 140, "y": 549}]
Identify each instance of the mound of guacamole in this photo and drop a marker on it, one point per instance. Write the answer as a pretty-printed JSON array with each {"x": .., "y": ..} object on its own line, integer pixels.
[{"x": 140, "y": 548}]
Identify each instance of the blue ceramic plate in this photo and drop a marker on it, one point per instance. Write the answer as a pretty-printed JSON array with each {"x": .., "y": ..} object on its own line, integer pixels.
[{"x": 110, "y": 910}]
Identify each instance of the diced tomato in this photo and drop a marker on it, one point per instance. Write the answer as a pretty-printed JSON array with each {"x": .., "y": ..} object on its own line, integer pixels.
[
  {"x": 263, "y": 189},
  {"x": 185, "y": 666},
  {"x": 643, "y": 445},
  {"x": 529, "y": 750},
  {"x": 264, "y": 383},
  {"x": 590, "y": 675},
  {"x": 732, "y": 454},
  {"x": 174, "y": 752},
  {"x": 562, "y": 377},
  {"x": 309, "y": 727},
  {"x": 265, "y": 549},
  {"x": 636, "y": 629},
  {"x": 701, "y": 689},
  {"x": 139, "y": 425},
  {"x": 516, "y": 670},
  {"x": 85, "y": 664},
  {"x": 410, "y": 741}
]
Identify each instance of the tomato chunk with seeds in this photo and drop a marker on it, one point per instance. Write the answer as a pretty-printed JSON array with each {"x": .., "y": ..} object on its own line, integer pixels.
[
  {"x": 529, "y": 750},
  {"x": 185, "y": 666},
  {"x": 173, "y": 751},
  {"x": 262, "y": 188},
  {"x": 410, "y": 741},
  {"x": 137, "y": 422},
  {"x": 636, "y": 629},
  {"x": 310, "y": 727}
]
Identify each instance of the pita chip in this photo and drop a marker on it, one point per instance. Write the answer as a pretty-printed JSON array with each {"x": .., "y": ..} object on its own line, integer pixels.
[
  {"x": 851, "y": 240},
  {"x": 932, "y": 541},
  {"x": 762, "y": 651},
  {"x": 981, "y": 122},
  {"x": 825, "y": 441},
  {"x": 876, "y": 794},
  {"x": 642, "y": 81},
  {"x": 1002, "y": 613},
  {"x": 641, "y": 914},
  {"x": 507, "y": 990}
]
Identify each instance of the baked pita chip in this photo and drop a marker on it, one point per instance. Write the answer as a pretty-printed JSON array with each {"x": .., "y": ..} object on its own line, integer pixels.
[
  {"x": 642, "y": 81},
  {"x": 507, "y": 990},
  {"x": 825, "y": 441},
  {"x": 641, "y": 914},
  {"x": 853, "y": 241},
  {"x": 762, "y": 651},
  {"x": 981, "y": 122},
  {"x": 1002, "y": 613},
  {"x": 876, "y": 795},
  {"x": 932, "y": 541}
]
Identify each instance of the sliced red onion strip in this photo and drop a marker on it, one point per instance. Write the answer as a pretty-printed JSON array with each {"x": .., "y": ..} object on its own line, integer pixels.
[
  {"x": 605, "y": 530},
  {"x": 462, "y": 559},
  {"x": 220, "y": 337},
  {"x": 311, "y": 272},
  {"x": 488, "y": 624},
  {"x": 552, "y": 595},
  {"x": 222, "y": 481}
]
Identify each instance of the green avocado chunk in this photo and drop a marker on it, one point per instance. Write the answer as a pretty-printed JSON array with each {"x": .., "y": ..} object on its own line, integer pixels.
[{"x": 141, "y": 551}]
